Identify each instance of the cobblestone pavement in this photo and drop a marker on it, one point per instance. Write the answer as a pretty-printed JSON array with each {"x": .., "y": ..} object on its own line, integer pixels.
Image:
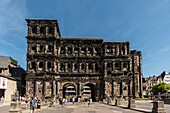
[{"x": 141, "y": 107}]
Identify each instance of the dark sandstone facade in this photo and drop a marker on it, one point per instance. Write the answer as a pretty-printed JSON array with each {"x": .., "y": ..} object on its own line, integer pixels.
[{"x": 55, "y": 64}]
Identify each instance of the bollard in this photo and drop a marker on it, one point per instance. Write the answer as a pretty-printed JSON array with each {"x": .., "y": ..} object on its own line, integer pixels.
[
  {"x": 117, "y": 102},
  {"x": 15, "y": 107},
  {"x": 158, "y": 107},
  {"x": 131, "y": 103}
]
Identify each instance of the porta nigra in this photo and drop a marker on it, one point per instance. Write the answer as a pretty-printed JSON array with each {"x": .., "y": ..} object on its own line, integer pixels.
[{"x": 88, "y": 67}]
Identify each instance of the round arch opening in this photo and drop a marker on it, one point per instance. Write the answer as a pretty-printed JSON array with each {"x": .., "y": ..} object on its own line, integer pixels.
[
  {"x": 89, "y": 91},
  {"x": 69, "y": 90}
]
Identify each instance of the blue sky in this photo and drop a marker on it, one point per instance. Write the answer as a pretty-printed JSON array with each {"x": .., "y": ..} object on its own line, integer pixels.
[{"x": 144, "y": 23}]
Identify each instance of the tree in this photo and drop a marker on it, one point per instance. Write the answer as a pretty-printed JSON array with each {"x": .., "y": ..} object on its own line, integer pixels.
[{"x": 160, "y": 88}]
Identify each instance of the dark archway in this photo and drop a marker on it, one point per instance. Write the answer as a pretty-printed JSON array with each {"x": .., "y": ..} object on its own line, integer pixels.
[
  {"x": 69, "y": 90},
  {"x": 89, "y": 91}
]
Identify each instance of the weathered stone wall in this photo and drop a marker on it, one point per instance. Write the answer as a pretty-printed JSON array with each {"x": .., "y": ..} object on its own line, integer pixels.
[
  {"x": 53, "y": 61},
  {"x": 11, "y": 89}
]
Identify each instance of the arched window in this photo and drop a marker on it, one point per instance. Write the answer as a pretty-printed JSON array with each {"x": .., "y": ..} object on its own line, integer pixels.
[
  {"x": 41, "y": 48},
  {"x": 33, "y": 64},
  {"x": 42, "y": 30},
  {"x": 62, "y": 66},
  {"x": 69, "y": 66},
  {"x": 62, "y": 50},
  {"x": 51, "y": 30},
  {"x": 83, "y": 50},
  {"x": 76, "y": 67},
  {"x": 69, "y": 50},
  {"x": 82, "y": 66},
  {"x": 49, "y": 65},
  {"x": 123, "y": 49},
  {"x": 90, "y": 66},
  {"x": 76, "y": 50},
  {"x": 90, "y": 51},
  {"x": 41, "y": 65},
  {"x": 34, "y": 30},
  {"x": 124, "y": 65}
]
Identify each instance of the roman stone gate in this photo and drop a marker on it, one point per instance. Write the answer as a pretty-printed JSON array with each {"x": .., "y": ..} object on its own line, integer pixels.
[{"x": 79, "y": 67}]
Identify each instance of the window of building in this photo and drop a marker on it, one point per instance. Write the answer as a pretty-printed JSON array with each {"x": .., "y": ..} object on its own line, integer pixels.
[
  {"x": 42, "y": 30},
  {"x": 34, "y": 30},
  {"x": 33, "y": 65},
  {"x": 62, "y": 50},
  {"x": 69, "y": 50},
  {"x": 82, "y": 66},
  {"x": 123, "y": 49},
  {"x": 124, "y": 65},
  {"x": 34, "y": 48},
  {"x": 51, "y": 30},
  {"x": 76, "y": 50},
  {"x": 96, "y": 51},
  {"x": 83, "y": 50},
  {"x": 41, "y": 48},
  {"x": 41, "y": 65},
  {"x": 62, "y": 66},
  {"x": 75, "y": 66},
  {"x": 90, "y": 67},
  {"x": 50, "y": 49},
  {"x": 49, "y": 65},
  {"x": 69, "y": 66},
  {"x": 116, "y": 65},
  {"x": 90, "y": 51}
]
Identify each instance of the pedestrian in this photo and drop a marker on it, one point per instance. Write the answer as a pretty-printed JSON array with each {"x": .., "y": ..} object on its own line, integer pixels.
[
  {"x": 73, "y": 100},
  {"x": 26, "y": 103},
  {"x": 2, "y": 100},
  {"x": 32, "y": 105},
  {"x": 64, "y": 101},
  {"x": 38, "y": 105},
  {"x": 79, "y": 100},
  {"x": 90, "y": 101},
  {"x": 60, "y": 101}
]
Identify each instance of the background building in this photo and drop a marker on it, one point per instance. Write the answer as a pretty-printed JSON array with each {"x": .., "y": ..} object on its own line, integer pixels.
[
  {"x": 59, "y": 66},
  {"x": 13, "y": 74}
]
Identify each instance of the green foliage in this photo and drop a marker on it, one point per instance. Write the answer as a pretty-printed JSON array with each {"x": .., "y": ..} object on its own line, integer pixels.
[
  {"x": 160, "y": 88},
  {"x": 14, "y": 61}
]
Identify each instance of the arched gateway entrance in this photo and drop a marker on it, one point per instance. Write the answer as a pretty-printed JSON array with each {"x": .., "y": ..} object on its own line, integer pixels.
[
  {"x": 89, "y": 91},
  {"x": 69, "y": 90}
]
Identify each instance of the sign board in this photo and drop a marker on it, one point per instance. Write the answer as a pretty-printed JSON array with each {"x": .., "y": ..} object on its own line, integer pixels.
[{"x": 3, "y": 83}]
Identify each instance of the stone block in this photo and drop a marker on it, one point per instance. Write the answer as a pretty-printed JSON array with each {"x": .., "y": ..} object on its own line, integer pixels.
[
  {"x": 131, "y": 103},
  {"x": 117, "y": 102},
  {"x": 15, "y": 107},
  {"x": 158, "y": 107}
]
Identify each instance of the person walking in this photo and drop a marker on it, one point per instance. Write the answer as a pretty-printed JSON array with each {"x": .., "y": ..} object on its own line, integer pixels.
[
  {"x": 60, "y": 102},
  {"x": 32, "y": 105},
  {"x": 64, "y": 102},
  {"x": 79, "y": 100},
  {"x": 26, "y": 103},
  {"x": 90, "y": 101},
  {"x": 2, "y": 100},
  {"x": 38, "y": 105},
  {"x": 73, "y": 100}
]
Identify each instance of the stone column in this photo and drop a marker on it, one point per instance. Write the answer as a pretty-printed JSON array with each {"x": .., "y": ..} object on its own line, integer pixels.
[
  {"x": 86, "y": 50},
  {"x": 46, "y": 30},
  {"x": 46, "y": 48},
  {"x": 87, "y": 67},
  {"x": 93, "y": 51},
  {"x": 59, "y": 49},
  {"x": 79, "y": 52},
  {"x": 73, "y": 50},
  {"x": 121, "y": 66},
  {"x": 125, "y": 49},
  {"x": 105, "y": 68},
  {"x": 131, "y": 102},
  {"x": 117, "y": 50},
  {"x": 38, "y": 30},
  {"x": 66, "y": 50},
  {"x": 93, "y": 67}
]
